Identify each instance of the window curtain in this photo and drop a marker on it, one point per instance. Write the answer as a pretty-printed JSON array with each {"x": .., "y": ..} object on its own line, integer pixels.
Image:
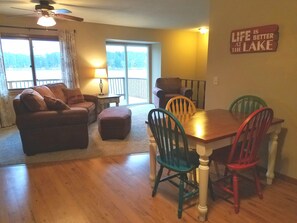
[
  {"x": 7, "y": 116},
  {"x": 68, "y": 58}
]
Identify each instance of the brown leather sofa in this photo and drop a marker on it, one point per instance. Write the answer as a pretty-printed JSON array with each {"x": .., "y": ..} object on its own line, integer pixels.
[
  {"x": 54, "y": 123},
  {"x": 167, "y": 88}
]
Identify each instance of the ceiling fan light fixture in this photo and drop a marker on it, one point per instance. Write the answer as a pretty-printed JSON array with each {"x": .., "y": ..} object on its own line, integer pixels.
[{"x": 46, "y": 21}]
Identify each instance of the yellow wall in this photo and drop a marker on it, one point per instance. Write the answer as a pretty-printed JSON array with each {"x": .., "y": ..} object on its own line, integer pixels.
[
  {"x": 272, "y": 76},
  {"x": 179, "y": 48}
]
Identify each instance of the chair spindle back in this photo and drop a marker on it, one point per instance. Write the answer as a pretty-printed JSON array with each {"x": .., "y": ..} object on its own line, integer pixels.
[{"x": 249, "y": 136}]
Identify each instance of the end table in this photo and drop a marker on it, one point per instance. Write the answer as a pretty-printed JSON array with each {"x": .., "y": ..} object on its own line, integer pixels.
[{"x": 105, "y": 100}]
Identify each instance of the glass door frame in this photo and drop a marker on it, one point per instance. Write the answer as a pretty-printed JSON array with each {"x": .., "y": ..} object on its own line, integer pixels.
[{"x": 125, "y": 45}]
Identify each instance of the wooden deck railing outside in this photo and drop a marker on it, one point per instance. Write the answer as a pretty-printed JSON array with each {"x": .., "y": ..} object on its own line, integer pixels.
[{"x": 21, "y": 84}]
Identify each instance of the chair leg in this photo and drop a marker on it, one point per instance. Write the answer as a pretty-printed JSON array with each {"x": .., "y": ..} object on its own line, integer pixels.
[
  {"x": 181, "y": 195},
  {"x": 235, "y": 192},
  {"x": 157, "y": 181},
  {"x": 257, "y": 182}
]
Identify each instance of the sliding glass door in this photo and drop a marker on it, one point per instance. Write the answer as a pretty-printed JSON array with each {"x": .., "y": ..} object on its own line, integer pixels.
[{"x": 128, "y": 72}]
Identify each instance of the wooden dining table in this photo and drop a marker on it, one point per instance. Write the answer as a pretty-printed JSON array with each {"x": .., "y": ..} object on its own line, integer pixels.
[{"x": 210, "y": 130}]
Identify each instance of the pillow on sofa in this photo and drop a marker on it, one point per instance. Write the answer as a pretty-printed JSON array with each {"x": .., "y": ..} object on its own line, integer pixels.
[
  {"x": 73, "y": 96},
  {"x": 55, "y": 104},
  {"x": 33, "y": 100},
  {"x": 44, "y": 91}
]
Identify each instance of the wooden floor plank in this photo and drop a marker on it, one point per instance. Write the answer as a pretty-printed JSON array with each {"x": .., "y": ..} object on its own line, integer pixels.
[{"x": 117, "y": 189}]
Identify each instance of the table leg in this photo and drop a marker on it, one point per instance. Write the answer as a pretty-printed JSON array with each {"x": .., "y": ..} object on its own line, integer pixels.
[
  {"x": 203, "y": 180},
  {"x": 101, "y": 107},
  {"x": 272, "y": 149},
  {"x": 153, "y": 153}
]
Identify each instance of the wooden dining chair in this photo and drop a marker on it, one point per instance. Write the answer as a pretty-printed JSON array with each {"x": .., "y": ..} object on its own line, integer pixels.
[
  {"x": 173, "y": 155},
  {"x": 243, "y": 154},
  {"x": 246, "y": 104},
  {"x": 182, "y": 108}
]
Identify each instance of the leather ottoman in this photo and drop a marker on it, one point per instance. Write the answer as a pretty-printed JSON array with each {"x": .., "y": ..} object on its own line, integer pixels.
[{"x": 114, "y": 123}]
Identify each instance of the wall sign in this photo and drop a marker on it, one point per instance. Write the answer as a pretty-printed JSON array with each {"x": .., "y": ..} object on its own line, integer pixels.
[{"x": 254, "y": 40}]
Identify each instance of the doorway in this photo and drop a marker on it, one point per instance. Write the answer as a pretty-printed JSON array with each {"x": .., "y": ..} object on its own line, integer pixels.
[{"x": 128, "y": 72}]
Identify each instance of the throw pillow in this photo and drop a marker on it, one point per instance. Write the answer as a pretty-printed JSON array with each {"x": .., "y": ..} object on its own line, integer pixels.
[
  {"x": 55, "y": 104},
  {"x": 73, "y": 96},
  {"x": 44, "y": 91},
  {"x": 33, "y": 100}
]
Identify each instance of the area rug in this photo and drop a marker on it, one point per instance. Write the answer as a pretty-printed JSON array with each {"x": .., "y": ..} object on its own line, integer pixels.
[{"x": 11, "y": 151}]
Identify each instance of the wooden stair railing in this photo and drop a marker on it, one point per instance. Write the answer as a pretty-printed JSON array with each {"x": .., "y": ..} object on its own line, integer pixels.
[{"x": 198, "y": 87}]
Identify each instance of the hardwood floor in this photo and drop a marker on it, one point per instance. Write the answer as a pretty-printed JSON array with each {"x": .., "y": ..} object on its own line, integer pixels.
[{"x": 117, "y": 189}]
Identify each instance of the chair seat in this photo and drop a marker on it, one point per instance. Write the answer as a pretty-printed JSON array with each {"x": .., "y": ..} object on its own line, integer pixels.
[
  {"x": 221, "y": 156},
  {"x": 183, "y": 164}
]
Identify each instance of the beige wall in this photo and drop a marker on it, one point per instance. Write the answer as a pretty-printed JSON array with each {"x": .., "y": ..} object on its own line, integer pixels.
[
  {"x": 272, "y": 76},
  {"x": 179, "y": 49}
]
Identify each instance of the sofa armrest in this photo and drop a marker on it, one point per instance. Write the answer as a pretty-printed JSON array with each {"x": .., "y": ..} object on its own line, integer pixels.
[
  {"x": 94, "y": 99},
  {"x": 158, "y": 92},
  {"x": 187, "y": 92},
  {"x": 46, "y": 119}
]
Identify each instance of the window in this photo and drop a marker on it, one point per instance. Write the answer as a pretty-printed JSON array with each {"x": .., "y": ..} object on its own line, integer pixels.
[
  {"x": 128, "y": 71},
  {"x": 31, "y": 61}
]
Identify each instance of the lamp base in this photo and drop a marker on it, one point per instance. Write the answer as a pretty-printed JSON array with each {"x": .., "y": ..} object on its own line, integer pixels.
[{"x": 100, "y": 94}]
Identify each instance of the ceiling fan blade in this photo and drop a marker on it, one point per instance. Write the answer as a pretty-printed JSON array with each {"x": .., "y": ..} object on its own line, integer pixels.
[
  {"x": 31, "y": 14},
  {"x": 22, "y": 9},
  {"x": 49, "y": 1},
  {"x": 92, "y": 6},
  {"x": 69, "y": 17},
  {"x": 61, "y": 11},
  {"x": 14, "y": 2}
]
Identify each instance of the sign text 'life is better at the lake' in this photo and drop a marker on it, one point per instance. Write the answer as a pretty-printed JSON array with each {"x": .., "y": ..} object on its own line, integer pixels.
[{"x": 253, "y": 40}]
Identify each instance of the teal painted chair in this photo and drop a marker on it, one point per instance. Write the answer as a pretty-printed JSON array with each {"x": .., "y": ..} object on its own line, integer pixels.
[
  {"x": 247, "y": 104},
  {"x": 173, "y": 155}
]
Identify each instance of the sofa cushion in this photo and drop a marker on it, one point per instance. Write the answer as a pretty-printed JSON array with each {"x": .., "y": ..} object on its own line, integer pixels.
[
  {"x": 90, "y": 106},
  {"x": 57, "y": 90},
  {"x": 55, "y": 104},
  {"x": 44, "y": 91},
  {"x": 73, "y": 96},
  {"x": 33, "y": 100}
]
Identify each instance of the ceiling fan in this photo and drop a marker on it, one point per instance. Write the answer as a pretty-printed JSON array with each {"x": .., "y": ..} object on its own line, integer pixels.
[{"x": 47, "y": 13}]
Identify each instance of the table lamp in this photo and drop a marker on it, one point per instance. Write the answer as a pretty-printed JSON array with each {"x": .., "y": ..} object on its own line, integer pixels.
[{"x": 100, "y": 73}]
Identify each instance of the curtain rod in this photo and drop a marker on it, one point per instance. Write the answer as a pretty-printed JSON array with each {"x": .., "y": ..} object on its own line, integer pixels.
[{"x": 19, "y": 27}]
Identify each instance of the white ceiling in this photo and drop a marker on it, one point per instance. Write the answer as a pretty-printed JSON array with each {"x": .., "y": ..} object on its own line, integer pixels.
[{"x": 163, "y": 14}]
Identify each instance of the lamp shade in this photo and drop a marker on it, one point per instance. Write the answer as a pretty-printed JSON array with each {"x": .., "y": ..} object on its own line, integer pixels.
[
  {"x": 46, "y": 21},
  {"x": 100, "y": 73}
]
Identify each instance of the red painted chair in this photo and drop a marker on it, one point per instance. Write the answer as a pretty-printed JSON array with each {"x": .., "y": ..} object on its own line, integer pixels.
[{"x": 243, "y": 154}]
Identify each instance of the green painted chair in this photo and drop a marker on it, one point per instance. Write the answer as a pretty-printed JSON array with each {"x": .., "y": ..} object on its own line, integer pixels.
[
  {"x": 247, "y": 104},
  {"x": 173, "y": 155}
]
